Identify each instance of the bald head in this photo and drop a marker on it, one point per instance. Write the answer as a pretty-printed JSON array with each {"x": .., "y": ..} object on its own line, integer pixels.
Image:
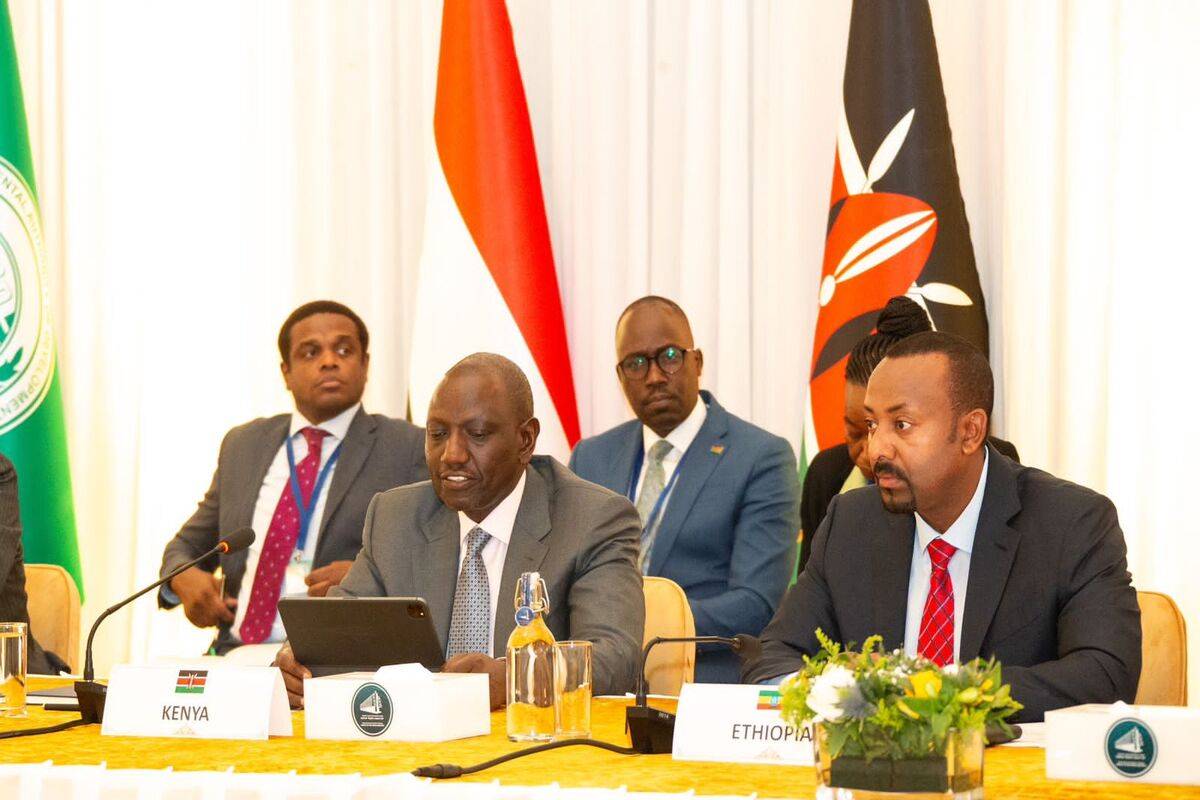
[
  {"x": 513, "y": 384},
  {"x": 653, "y": 304}
]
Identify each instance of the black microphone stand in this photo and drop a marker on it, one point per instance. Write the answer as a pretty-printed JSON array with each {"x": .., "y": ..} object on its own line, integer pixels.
[
  {"x": 91, "y": 695},
  {"x": 652, "y": 730}
]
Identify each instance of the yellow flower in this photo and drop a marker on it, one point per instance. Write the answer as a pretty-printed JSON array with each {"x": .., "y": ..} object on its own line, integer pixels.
[
  {"x": 926, "y": 683},
  {"x": 969, "y": 696},
  {"x": 906, "y": 711},
  {"x": 987, "y": 684}
]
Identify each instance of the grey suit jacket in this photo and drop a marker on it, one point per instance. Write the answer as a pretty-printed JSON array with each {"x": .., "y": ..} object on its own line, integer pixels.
[
  {"x": 1049, "y": 594},
  {"x": 378, "y": 453},
  {"x": 12, "y": 571},
  {"x": 582, "y": 538}
]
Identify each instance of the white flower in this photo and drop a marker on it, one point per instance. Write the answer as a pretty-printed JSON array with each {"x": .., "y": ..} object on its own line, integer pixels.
[{"x": 828, "y": 692}]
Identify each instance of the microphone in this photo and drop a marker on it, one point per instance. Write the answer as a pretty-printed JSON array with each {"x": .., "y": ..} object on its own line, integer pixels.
[
  {"x": 90, "y": 694},
  {"x": 652, "y": 730}
]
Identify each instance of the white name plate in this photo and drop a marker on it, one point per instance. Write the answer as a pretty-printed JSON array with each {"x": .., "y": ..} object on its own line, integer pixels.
[
  {"x": 220, "y": 702},
  {"x": 399, "y": 703},
  {"x": 738, "y": 724},
  {"x": 1144, "y": 744}
]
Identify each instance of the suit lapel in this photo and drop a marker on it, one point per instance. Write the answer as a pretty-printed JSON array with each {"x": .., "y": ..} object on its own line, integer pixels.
[
  {"x": 435, "y": 567},
  {"x": 630, "y": 453},
  {"x": 356, "y": 447},
  {"x": 694, "y": 471},
  {"x": 274, "y": 432},
  {"x": 891, "y": 562},
  {"x": 526, "y": 551},
  {"x": 992, "y": 554}
]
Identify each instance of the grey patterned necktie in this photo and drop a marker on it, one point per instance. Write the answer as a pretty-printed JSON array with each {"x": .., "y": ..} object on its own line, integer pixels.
[
  {"x": 652, "y": 489},
  {"x": 471, "y": 620}
]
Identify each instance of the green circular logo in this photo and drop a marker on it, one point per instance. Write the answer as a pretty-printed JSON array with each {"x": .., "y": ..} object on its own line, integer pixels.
[
  {"x": 1130, "y": 747},
  {"x": 371, "y": 709},
  {"x": 26, "y": 344}
]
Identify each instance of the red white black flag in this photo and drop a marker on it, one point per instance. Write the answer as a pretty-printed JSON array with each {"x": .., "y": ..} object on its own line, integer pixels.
[{"x": 896, "y": 220}]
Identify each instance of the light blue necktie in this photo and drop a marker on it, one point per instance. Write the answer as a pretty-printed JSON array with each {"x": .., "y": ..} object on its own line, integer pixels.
[
  {"x": 471, "y": 620},
  {"x": 652, "y": 488}
]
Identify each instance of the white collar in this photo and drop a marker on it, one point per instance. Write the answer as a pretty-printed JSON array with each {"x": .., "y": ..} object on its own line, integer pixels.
[
  {"x": 961, "y": 533},
  {"x": 336, "y": 427},
  {"x": 684, "y": 434},
  {"x": 498, "y": 524}
]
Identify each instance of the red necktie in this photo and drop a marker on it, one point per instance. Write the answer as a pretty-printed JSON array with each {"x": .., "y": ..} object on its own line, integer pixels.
[
  {"x": 280, "y": 544},
  {"x": 936, "y": 640}
]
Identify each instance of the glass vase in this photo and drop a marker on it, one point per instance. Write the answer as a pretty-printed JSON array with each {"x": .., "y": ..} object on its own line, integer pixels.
[{"x": 955, "y": 773}]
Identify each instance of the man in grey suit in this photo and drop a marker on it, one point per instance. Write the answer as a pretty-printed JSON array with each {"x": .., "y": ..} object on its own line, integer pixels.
[
  {"x": 718, "y": 496},
  {"x": 301, "y": 480},
  {"x": 491, "y": 511},
  {"x": 12, "y": 572},
  {"x": 958, "y": 552}
]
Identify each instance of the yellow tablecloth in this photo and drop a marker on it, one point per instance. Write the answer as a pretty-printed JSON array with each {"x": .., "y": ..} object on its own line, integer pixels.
[{"x": 1008, "y": 772}]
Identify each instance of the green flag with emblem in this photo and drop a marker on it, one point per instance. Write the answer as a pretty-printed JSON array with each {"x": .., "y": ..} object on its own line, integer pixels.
[{"x": 32, "y": 431}]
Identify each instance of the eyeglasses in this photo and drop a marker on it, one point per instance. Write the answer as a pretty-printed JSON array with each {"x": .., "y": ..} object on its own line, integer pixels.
[{"x": 669, "y": 359}]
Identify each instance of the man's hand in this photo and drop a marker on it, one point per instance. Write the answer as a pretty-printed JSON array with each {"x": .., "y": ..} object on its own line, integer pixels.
[
  {"x": 294, "y": 674},
  {"x": 200, "y": 593},
  {"x": 478, "y": 662},
  {"x": 322, "y": 578}
]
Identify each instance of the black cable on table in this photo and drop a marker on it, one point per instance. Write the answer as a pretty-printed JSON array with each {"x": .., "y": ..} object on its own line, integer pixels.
[
  {"x": 454, "y": 771},
  {"x": 62, "y": 726}
]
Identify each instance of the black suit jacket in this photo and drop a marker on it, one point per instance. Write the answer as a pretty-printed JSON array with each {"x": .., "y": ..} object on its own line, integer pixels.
[
  {"x": 1049, "y": 594},
  {"x": 12, "y": 571},
  {"x": 378, "y": 453}
]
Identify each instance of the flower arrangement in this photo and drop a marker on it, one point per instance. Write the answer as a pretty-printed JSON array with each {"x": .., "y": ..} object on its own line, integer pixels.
[{"x": 874, "y": 706}]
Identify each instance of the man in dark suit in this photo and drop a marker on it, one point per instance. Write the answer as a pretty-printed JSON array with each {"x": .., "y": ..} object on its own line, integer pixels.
[
  {"x": 717, "y": 495},
  {"x": 301, "y": 480},
  {"x": 492, "y": 511},
  {"x": 12, "y": 572},
  {"x": 957, "y": 552}
]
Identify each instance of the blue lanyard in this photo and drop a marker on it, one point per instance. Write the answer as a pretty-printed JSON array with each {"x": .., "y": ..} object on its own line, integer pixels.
[
  {"x": 631, "y": 492},
  {"x": 306, "y": 511}
]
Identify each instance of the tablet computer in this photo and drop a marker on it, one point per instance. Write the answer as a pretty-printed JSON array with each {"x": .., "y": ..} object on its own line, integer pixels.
[{"x": 332, "y": 635}]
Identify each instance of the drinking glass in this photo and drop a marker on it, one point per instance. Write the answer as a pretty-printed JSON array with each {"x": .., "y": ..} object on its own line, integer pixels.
[
  {"x": 572, "y": 690},
  {"x": 12, "y": 668}
]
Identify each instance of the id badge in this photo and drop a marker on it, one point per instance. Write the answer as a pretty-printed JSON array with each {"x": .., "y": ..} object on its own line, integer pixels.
[{"x": 293, "y": 580}]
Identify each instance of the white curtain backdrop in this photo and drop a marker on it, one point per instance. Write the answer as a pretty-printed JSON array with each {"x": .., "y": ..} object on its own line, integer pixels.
[{"x": 204, "y": 168}]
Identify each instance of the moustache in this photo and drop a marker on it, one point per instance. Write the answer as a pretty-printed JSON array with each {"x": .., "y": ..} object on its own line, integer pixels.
[{"x": 884, "y": 467}]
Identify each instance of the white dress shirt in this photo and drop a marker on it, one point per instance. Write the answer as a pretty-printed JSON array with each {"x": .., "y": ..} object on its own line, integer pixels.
[
  {"x": 681, "y": 439},
  {"x": 278, "y": 476},
  {"x": 499, "y": 525},
  {"x": 961, "y": 534}
]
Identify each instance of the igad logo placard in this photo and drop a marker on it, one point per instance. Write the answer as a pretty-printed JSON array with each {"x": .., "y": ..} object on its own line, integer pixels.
[
  {"x": 371, "y": 709},
  {"x": 1130, "y": 747},
  {"x": 26, "y": 342}
]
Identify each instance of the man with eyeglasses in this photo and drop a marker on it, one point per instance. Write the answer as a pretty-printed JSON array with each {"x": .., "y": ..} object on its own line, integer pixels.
[{"x": 718, "y": 497}]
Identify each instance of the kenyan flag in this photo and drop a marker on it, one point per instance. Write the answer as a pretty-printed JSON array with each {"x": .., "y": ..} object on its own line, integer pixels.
[{"x": 896, "y": 219}]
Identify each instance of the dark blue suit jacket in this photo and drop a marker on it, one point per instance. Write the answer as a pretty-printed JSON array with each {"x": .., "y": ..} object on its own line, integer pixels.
[{"x": 728, "y": 534}]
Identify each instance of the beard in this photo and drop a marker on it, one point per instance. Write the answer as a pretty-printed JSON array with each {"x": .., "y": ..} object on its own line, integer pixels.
[{"x": 900, "y": 500}]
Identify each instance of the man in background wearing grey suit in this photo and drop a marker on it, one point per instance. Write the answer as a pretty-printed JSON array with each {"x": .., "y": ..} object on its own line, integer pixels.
[
  {"x": 301, "y": 480},
  {"x": 958, "y": 552},
  {"x": 491, "y": 511}
]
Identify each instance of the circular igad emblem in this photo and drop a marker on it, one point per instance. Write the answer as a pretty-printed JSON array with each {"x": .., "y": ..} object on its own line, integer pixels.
[
  {"x": 1130, "y": 747},
  {"x": 371, "y": 709},
  {"x": 26, "y": 343}
]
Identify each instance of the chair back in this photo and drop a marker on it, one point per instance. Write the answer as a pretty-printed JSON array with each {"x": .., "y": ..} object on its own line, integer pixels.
[
  {"x": 53, "y": 602},
  {"x": 1164, "y": 652},
  {"x": 668, "y": 614}
]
